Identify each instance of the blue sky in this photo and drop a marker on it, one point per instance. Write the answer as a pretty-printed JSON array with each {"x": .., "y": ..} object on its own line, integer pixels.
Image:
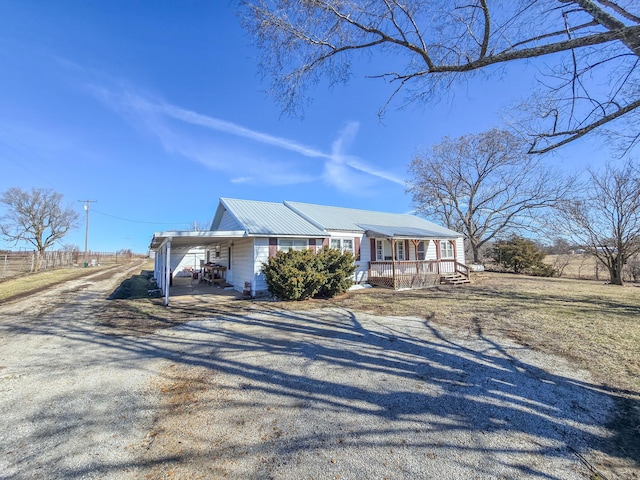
[{"x": 157, "y": 109}]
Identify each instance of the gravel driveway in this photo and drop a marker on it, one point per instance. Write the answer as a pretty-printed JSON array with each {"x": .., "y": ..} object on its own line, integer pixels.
[{"x": 272, "y": 394}]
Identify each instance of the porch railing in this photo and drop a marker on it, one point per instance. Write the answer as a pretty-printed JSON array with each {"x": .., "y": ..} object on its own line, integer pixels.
[{"x": 413, "y": 273}]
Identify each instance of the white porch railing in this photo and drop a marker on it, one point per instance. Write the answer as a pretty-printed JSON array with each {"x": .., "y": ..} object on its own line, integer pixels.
[{"x": 413, "y": 273}]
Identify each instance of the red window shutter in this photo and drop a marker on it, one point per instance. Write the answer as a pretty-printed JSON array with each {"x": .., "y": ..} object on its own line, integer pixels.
[
  {"x": 312, "y": 244},
  {"x": 356, "y": 246},
  {"x": 372, "y": 255},
  {"x": 406, "y": 250},
  {"x": 273, "y": 246},
  {"x": 438, "y": 256},
  {"x": 325, "y": 242}
]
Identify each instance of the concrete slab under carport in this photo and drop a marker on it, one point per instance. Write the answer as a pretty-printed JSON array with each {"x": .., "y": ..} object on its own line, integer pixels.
[{"x": 184, "y": 287}]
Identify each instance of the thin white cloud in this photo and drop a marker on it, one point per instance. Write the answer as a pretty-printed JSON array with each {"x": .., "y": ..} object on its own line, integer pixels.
[{"x": 151, "y": 115}]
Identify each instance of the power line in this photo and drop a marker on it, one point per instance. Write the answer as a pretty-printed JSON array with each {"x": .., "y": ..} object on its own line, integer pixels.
[{"x": 141, "y": 221}]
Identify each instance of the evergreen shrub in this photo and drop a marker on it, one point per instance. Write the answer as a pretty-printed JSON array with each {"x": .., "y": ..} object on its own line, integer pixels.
[{"x": 302, "y": 274}]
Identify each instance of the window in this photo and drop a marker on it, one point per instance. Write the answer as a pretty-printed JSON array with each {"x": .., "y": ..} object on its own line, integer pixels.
[
  {"x": 292, "y": 244},
  {"x": 379, "y": 250},
  {"x": 400, "y": 250},
  {"x": 422, "y": 248},
  {"x": 342, "y": 244},
  {"x": 446, "y": 249}
]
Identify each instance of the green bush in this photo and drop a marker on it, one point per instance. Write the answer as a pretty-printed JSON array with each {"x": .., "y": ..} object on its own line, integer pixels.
[
  {"x": 301, "y": 274},
  {"x": 521, "y": 255},
  {"x": 337, "y": 269}
]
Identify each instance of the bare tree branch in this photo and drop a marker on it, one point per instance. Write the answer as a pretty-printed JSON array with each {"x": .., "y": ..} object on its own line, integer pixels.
[
  {"x": 604, "y": 217},
  {"x": 36, "y": 217},
  {"x": 484, "y": 186},
  {"x": 429, "y": 44}
]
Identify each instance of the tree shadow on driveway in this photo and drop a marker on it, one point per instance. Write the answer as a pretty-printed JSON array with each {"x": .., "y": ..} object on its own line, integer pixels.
[{"x": 329, "y": 392}]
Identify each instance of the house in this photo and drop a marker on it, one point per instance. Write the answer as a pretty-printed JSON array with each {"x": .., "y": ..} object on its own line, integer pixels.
[{"x": 392, "y": 250}]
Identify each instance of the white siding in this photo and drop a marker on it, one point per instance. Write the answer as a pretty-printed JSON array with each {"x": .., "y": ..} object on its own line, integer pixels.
[
  {"x": 185, "y": 257},
  {"x": 460, "y": 250},
  {"x": 362, "y": 266},
  {"x": 229, "y": 223},
  {"x": 242, "y": 265},
  {"x": 431, "y": 253},
  {"x": 260, "y": 255}
]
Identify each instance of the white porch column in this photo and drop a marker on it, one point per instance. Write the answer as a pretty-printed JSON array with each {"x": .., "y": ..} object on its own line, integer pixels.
[
  {"x": 156, "y": 264},
  {"x": 160, "y": 276},
  {"x": 167, "y": 273}
]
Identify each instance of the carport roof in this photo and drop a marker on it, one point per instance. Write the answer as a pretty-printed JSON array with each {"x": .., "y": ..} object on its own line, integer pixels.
[{"x": 192, "y": 239}]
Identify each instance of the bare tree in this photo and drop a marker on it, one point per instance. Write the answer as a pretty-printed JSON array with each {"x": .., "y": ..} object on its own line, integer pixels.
[
  {"x": 484, "y": 186},
  {"x": 36, "y": 217},
  {"x": 591, "y": 46},
  {"x": 605, "y": 217}
]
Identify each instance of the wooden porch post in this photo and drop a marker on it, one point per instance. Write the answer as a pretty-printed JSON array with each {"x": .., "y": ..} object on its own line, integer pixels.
[{"x": 393, "y": 261}]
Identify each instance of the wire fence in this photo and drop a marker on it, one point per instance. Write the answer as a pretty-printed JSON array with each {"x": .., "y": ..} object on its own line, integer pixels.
[{"x": 19, "y": 263}]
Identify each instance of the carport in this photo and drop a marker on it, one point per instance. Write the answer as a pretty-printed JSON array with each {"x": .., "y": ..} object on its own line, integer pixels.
[{"x": 163, "y": 242}]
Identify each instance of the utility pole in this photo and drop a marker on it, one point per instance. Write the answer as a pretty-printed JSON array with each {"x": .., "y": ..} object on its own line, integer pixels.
[{"x": 86, "y": 231}]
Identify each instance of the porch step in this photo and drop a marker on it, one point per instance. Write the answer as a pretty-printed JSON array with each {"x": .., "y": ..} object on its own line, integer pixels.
[{"x": 454, "y": 279}]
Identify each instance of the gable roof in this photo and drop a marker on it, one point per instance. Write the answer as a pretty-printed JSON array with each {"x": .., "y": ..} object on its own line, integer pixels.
[
  {"x": 266, "y": 218},
  {"x": 384, "y": 223},
  {"x": 310, "y": 220}
]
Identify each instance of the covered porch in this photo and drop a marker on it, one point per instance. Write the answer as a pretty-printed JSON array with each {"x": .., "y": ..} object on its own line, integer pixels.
[{"x": 414, "y": 258}]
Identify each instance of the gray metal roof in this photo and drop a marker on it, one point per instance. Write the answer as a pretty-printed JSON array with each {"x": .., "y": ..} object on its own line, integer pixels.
[
  {"x": 183, "y": 238},
  {"x": 384, "y": 231},
  {"x": 268, "y": 218},
  {"x": 340, "y": 218}
]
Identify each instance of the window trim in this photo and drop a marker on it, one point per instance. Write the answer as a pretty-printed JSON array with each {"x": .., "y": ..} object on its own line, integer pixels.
[
  {"x": 341, "y": 241},
  {"x": 303, "y": 244},
  {"x": 422, "y": 253},
  {"x": 379, "y": 243},
  {"x": 445, "y": 246}
]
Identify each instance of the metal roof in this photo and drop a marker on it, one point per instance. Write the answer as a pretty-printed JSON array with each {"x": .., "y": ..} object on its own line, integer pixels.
[
  {"x": 269, "y": 218},
  {"x": 188, "y": 238},
  {"x": 384, "y": 231},
  {"x": 340, "y": 218},
  {"x": 295, "y": 219}
]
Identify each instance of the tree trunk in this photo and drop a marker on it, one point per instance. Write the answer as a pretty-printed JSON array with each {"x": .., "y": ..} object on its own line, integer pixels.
[
  {"x": 615, "y": 272},
  {"x": 476, "y": 253}
]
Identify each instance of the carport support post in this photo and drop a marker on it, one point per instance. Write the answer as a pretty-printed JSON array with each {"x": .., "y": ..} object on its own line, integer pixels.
[{"x": 167, "y": 272}]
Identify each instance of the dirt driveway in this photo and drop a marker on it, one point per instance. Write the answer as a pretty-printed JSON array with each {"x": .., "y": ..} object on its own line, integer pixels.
[{"x": 286, "y": 395}]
